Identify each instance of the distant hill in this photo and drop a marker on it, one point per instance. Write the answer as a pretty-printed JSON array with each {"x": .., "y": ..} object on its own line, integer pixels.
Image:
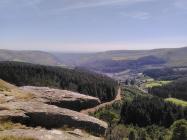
[
  {"x": 110, "y": 66},
  {"x": 35, "y": 57},
  {"x": 119, "y": 60},
  {"x": 172, "y": 56},
  {"x": 109, "y": 61},
  {"x": 74, "y": 59}
]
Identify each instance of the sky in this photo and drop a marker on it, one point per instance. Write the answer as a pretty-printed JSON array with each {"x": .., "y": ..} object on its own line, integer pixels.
[{"x": 92, "y": 25}]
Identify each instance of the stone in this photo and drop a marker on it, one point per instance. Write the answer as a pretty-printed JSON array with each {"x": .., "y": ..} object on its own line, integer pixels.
[
  {"x": 63, "y": 98},
  {"x": 49, "y": 116},
  {"x": 43, "y": 134}
]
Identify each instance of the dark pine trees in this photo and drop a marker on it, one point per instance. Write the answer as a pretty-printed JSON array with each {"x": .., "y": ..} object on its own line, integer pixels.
[
  {"x": 22, "y": 74},
  {"x": 144, "y": 111}
]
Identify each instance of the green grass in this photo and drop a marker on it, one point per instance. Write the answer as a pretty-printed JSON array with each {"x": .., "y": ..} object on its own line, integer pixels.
[
  {"x": 156, "y": 84},
  {"x": 130, "y": 92},
  {"x": 165, "y": 82},
  {"x": 177, "y": 101}
]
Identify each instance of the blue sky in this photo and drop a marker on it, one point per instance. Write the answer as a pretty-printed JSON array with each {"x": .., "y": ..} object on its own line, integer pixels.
[{"x": 92, "y": 25}]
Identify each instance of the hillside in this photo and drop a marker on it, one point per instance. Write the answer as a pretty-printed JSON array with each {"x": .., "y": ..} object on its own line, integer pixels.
[
  {"x": 23, "y": 74},
  {"x": 35, "y": 57},
  {"x": 110, "y": 66},
  {"x": 119, "y": 60},
  {"x": 107, "y": 62},
  {"x": 140, "y": 115},
  {"x": 167, "y": 73}
]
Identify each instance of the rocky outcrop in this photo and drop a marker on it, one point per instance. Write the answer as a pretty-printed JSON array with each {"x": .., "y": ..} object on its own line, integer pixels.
[
  {"x": 43, "y": 134},
  {"x": 47, "y": 108},
  {"x": 62, "y": 98},
  {"x": 49, "y": 116}
]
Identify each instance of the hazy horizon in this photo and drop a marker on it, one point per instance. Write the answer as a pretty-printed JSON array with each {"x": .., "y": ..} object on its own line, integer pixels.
[
  {"x": 92, "y": 25},
  {"x": 79, "y": 51}
]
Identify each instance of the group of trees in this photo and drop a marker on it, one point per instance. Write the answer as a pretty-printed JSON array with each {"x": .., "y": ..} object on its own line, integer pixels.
[
  {"x": 144, "y": 111},
  {"x": 22, "y": 74},
  {"x": 141, "y": 116},
  {"x": 176, "y": 89},
  {"x": 131, "y": 92},
  {"x": 177, "y": 131},
  {"x": 170, "y": 73}
]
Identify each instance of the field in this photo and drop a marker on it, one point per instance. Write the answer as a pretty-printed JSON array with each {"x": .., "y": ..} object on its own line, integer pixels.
[
  {"x": 177, "y": 101},
  {"x": 156, "y": 83}
]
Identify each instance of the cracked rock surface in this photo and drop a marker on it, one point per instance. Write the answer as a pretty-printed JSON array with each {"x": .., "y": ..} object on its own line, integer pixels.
[
  {"x": 36, "y": 107},
  {"x": 42, "y": 134},
  {"x": 62, "y": 98}
]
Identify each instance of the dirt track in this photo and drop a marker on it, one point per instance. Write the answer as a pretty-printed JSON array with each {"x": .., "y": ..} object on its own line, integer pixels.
[{"x": 94, "y": 109}]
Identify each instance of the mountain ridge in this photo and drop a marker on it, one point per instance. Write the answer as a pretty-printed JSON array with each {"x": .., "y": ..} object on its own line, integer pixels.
[
  {"x": 172, "y": 56},
  {"x": 35, "y": 57}
]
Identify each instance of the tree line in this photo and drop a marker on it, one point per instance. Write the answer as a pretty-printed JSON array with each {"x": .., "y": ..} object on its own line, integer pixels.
[
  {"x": 176, "y": 89},
  {"x": 144, "y": 111},
  {"x": 22, "y": 74},
  {"x": 169, "y": 73}
]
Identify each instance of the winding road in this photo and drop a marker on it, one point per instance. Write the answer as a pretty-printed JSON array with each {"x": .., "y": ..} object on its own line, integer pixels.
[{"x": 94, "y": 109}]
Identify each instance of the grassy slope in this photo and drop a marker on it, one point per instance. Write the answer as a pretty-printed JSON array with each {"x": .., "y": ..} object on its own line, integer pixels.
[
  {"x": 11, "y": 90},
  {"x": 36, "y": 57},
  {"x": 156, "y": 84},
  {"x": 177, "y": 101}
]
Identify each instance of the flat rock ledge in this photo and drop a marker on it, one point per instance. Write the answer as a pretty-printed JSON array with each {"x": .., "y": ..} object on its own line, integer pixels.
[
  {"x": 49, "y": 116},
  {"x": 43, "y": 110},
  {"x": 62, "y": 98},
  {"x": 43, "y": 134}
]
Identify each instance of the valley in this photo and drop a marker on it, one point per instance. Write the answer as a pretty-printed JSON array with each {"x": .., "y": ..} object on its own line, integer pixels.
[
  {"x": 93, "y": 70},
  {"x": 114, "y": 96}
]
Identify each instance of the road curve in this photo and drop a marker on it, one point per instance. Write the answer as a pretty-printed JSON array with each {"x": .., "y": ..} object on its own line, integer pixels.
[{"x": 94, "y": 109}]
